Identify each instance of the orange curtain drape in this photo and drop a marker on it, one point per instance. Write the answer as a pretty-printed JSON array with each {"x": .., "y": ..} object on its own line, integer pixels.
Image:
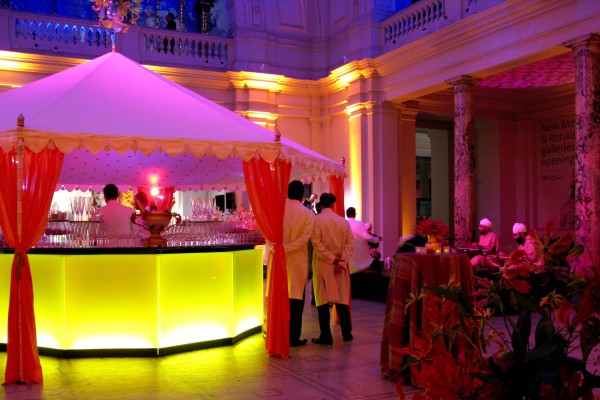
[
  {"x": 163, "y": 204},
  {"x": 336, "y": 187},
  {"x": 267, "y": 185},
  {"x": 25, "y": 194}
]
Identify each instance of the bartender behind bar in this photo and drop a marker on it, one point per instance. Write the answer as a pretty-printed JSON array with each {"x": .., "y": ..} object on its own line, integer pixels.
[{"x": 116, "y": 217}]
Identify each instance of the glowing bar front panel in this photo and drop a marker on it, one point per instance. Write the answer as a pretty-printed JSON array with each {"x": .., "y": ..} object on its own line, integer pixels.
[{"x": 140, "y": 301}]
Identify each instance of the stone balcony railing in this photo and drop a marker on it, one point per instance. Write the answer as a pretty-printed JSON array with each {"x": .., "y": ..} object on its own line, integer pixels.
[
  {"x": 45, "y": 34},
  {"x": 426, "y": 16},
  {"x": 69, "y": 37}
]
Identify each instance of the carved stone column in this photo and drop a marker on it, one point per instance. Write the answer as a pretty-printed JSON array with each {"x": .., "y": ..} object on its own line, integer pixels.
[
  {"x": 587, "y": 145},
  {"x": 464, "y": 158}
]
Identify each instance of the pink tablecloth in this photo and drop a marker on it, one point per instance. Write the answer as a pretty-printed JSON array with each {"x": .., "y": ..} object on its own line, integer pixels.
[{"x": 400, "y": 325}]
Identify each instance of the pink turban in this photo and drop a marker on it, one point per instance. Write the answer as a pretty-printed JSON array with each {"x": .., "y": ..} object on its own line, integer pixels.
[
  {"x": 519, "y": 228},
  {"x": 486, "y": 222}
]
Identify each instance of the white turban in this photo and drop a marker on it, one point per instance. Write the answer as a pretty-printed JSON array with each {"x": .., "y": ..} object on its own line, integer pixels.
[
  {"x": 519, "y": 228},
  {"x": 486, "y": 222}
]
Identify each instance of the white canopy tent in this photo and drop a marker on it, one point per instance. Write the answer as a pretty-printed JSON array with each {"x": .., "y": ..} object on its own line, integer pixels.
[{"x": 117, "y": 121}]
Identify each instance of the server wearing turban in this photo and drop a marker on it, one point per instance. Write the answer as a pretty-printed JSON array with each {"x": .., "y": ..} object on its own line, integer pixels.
[
  {"x": 488, "y": 243},
  {"x": 525, "y": 243}
]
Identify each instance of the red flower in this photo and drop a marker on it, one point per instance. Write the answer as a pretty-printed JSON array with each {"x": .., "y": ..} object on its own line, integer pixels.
[
  {"x": 432, "y": 227},
  {"x": 440, "y": 314},
  {"x": 517, "y": 267},
  {"x": 583, "y": 312},
  {"x": 519, "y": 285},
  {"x": 549, "y": 250},
  {"x": 562, "y": 314},
  {"x": 420, "y": 347},
  {"x": 446, "y": 377}
]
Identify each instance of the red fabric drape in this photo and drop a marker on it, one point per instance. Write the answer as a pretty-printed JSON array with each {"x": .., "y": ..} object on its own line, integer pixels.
[
  {"x": 163, "y": 204},
  {"x": 40, "y": 172},
  {"x": 336, "y": 187},
  {"x": 267, "y": 185}
]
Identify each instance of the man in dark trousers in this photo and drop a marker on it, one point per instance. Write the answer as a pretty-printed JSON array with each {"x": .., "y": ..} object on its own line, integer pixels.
[
  {"x": 298, "y": 224},
  {"x": 333, "y": 245}
]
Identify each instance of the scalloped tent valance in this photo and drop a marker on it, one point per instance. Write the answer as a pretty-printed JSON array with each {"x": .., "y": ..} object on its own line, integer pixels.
[{"x": 117, "y": 121}]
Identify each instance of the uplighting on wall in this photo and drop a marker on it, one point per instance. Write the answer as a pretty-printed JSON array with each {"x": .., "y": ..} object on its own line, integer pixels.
[
  {"x": 9, "y": 85},
  {"x": 13, "y": 65},
  {"x": 258, "y": 80},
  {"x": 265, "y": 85},
  {"x": 348, "y": 78},
  {"x": 352, "y": 110}
]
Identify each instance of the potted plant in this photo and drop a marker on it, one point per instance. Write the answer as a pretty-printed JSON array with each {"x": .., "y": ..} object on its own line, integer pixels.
[{"x": 539, "y": 353}]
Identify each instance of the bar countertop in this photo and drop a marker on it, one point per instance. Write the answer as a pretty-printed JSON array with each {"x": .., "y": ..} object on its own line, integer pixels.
[{"x": 131, "y": 250}]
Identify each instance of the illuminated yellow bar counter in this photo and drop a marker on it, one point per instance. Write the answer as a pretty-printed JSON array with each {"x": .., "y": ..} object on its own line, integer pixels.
[{"x": 140, "y": 301}]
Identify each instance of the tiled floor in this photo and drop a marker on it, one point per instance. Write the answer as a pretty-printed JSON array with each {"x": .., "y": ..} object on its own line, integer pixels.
[{"x": 346, "y": 370}]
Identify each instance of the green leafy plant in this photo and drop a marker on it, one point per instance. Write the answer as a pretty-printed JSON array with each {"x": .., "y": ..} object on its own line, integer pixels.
[{"x": 539, "y": 351}]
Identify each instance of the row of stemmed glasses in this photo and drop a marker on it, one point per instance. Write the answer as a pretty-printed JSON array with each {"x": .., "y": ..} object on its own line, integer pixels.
[
  {"x": 210, "y": 233},
  {"x": 84, "y": 234},
  {"x": 81, "y": 207},
  {"x": 191, "y": 234},
  {"x": 204, "y": 209},
  {"x": 242, "y": 220}
]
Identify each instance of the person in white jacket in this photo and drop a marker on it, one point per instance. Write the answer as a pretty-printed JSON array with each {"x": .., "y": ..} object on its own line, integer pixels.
[
  {"x": 333, "y": 244},
  {"x": 362, "y": 258},
  {"x": 116, "y": 216},
  {"x": 298, "y": 224}
]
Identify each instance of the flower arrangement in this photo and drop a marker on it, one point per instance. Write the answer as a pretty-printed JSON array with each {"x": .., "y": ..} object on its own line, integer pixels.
[
  {"x": 454, "y": 357},
  {"x": 116, "y": 14},
  {"x": 430, "y": 226}
]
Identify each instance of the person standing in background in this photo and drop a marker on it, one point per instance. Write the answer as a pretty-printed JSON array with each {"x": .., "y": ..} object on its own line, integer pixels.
[
  {"x": 362, "y": 258},
  {"x": 116, "y": 217},
  {"x": 171, "y": 24},
  {"x": 355, "y": 225},
  {"x": 333, "y": 245},
  {"x": 298, "y": 224},
  {"x": 311, "y": 203}
]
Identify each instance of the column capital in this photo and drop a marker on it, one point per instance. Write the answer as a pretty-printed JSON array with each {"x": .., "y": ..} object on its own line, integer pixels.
[
  {"x": 590, "y": 42},
  {"x": 358, "y": 109},
  {"x": 410, "y": 105},
  {"x": 409, "y": 109},
  {"x": 463, "y": 80}
]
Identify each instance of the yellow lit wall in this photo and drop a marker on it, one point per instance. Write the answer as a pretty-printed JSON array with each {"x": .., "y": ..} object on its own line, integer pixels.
[
  {"x": 196, "y": 297},
  {"x": 143, "y": 301},
  {"x": 109, "y": 301},
  {"x": 354, "y": 196}
]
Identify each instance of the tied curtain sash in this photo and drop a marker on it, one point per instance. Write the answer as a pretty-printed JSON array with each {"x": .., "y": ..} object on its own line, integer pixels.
[
  {"x": 27, "y": 183},
  {"x": 267, "y": 185}
]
